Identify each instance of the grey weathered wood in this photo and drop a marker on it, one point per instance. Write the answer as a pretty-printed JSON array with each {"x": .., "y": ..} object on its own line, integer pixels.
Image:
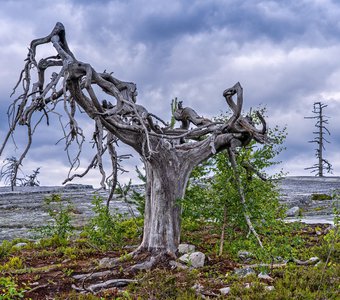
[{"x": 169, "y": 154}]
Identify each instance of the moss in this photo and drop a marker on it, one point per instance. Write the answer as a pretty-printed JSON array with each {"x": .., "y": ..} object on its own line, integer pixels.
[{"x": 321, "y": 197}]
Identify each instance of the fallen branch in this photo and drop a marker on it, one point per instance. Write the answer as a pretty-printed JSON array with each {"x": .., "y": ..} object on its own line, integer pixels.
[
  {"x": 37, "y": 288},
  {"x": 309, "y": 262},
  {"x": 95, "y": 288},
  {"x": 241, "y": 194}
]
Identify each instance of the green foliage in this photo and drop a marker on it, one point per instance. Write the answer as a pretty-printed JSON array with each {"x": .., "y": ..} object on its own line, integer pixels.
[
  {"x": 164, "y": 284},
  {"x": 137, "y": 198},
  {"x": 321, "y": 197},
  {"x": 13, "y": 263},
  {"x": 329, "y": 250},
  {"x": 60, "y": 211},
  {"x": 307, "y": 283},
  {"x": 107, "y": 231},
  {"x": 9, "y": 289},
  {"x": 212, "y": 193},
  {"x": 69, "y": 252},
  {"x": 5, "y": 249}
]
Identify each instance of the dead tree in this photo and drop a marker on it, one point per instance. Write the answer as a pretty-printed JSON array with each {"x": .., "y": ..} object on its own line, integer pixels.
[
  {"x": 319, "y": 139},
  {"x": 169, "y": 154}
]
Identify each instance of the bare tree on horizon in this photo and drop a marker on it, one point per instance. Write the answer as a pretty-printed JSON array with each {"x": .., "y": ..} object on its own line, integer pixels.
[{"x": 319, "y": 139}]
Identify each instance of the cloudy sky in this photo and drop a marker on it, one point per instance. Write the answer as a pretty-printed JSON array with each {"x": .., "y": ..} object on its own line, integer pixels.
[{"x": 284, "y": 53}]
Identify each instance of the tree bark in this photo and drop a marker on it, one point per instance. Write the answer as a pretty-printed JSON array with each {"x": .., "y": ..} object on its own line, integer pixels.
[
  {"x": 167, "y": 176},
  {"x": 169, "y": 154}
]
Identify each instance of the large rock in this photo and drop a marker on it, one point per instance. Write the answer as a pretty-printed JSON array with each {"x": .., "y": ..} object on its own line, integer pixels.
[
  {"x": 265, "y": 277},
  {"x": 195, "y": 259},
  {"x": 24, "y": 209}
]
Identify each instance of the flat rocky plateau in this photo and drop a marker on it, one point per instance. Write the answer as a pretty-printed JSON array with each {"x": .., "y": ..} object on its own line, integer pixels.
[{"x": 23, "y": 209}]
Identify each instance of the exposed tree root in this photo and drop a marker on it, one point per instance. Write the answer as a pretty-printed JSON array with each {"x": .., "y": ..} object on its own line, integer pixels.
[
  {"x": 95, "y": 288},
  {"x": 139, "y": 260},
  {"x": 92, "y": 275}
]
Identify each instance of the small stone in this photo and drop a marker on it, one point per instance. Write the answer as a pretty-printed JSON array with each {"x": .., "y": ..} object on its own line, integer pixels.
[
  {"x": 174, "y": 264},
  {"x": 186, "y": 248},
  {"x": 244, "y": 272},
  {"x": 245, "y": 255},
  {"x": 106, "y": 262},
  {"x": 19, "y": 245},
  {"x": 328, "y": 229},
  {"x": 314, "y": 259},
  {"x": 269, "y": 288},
  {"x": 225, "y": 290},
  {"x": 318, "y": 233},
  {"x": 198, "y": 287},
  {"x": 278, "y": 259},
  {"x": 265, "y": 277},
  {"x": 195, "y": 259},
  {"x": 293, "y": 211}
]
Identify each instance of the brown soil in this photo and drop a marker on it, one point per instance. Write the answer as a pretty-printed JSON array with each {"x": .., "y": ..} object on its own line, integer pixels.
[{"x": 49, "y": 274}]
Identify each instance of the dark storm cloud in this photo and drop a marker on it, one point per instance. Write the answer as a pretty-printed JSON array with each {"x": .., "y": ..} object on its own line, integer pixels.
[{"x": 284, "y": 53}]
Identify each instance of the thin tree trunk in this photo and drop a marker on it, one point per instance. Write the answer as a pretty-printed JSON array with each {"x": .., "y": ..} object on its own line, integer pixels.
[
  {"x": 320, "y": 143},
  {"x": 223, "y": 229},
  {"x": 241, "y": 194}
]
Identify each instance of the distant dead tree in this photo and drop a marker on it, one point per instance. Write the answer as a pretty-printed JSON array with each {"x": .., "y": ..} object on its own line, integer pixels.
[
  {"x": 9, "y": 172},
  {"x": 32, "y": 179},
  {"x": 319, "y": 139},
  {"x": 169, "y": 154}
]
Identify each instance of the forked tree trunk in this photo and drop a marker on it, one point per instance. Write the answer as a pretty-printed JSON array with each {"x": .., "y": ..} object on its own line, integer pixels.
[
  {"x": 169, "y": 153},
  {"x": 167, "y": 177}
]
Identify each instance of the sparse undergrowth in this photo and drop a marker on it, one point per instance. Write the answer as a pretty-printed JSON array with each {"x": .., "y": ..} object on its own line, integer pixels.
[
  {"x": 46, "y": 269},
  {"x": 321, "y": 197}
]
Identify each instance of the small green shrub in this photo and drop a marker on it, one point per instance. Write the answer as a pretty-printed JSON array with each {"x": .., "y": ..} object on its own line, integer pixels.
[
  {"x": 69, "y": 252},
  {"x": 13, "y": 263},
  {"x": 321, "y": 197},
  {"x": 60, "y": 211},
  {"x": 329, "y": 250},
  {"x": 9, "y": 289},
  {"x": 162, "y": 284},
  {"x": 107, "y": 231},
  {"x": 5, "y": 249}
]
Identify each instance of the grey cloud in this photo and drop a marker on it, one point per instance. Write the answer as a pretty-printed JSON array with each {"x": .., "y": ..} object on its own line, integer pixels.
[{"x": 284, "y": 53}]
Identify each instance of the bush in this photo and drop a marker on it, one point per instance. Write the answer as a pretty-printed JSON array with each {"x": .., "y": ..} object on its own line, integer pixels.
[
  {"x": 5, "y": 249},
  {"x": 60, "y": 228},
  {"x": 106, "y": 230},
  {"x": 13, "y": 263},
  {"x": 321, "y": 197},
  {"x": 9, "y": 289},
  {"x": 214, "y": 193}
]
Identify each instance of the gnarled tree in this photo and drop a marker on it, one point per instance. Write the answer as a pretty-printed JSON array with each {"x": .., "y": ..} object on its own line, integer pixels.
[{"x": 169, "y": 154}]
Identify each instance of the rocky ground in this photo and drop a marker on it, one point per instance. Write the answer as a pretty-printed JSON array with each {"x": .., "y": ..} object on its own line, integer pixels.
[
  {"x": 24, "y": 209},
  {"x": 297, "y": 191}
]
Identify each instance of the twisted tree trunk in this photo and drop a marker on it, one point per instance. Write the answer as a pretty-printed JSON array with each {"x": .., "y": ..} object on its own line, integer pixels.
[{"x": 169, "y": 154}]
